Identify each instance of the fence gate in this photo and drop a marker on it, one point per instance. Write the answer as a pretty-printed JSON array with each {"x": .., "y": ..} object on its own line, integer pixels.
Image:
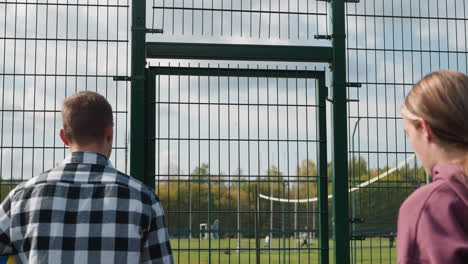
[
  {"x": 217, "y": 138},
  {"x": 234, "y": 146}
]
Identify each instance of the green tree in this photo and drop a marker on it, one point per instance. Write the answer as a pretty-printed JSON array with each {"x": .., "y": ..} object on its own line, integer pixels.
[
  {"x": 202, "y": 171},
  {"x": 307, "y": 177}
]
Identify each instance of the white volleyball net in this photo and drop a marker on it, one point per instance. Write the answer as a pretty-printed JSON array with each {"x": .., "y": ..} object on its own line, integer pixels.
[{"x": 295, "y": 217}]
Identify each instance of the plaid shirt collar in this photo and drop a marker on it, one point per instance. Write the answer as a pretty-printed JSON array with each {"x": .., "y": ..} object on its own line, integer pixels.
[{"x": 87, "y": 158}]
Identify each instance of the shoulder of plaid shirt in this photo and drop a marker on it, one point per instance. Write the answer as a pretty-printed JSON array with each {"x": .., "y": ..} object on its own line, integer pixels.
[{"x": 84, "y": 211}]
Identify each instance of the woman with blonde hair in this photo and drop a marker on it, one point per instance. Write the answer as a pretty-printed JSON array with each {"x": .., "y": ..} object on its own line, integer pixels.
[{"x": 433, "y": 221}]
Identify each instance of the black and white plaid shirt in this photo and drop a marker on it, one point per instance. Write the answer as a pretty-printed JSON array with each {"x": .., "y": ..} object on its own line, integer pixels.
[{"x": 84, "y": 211}]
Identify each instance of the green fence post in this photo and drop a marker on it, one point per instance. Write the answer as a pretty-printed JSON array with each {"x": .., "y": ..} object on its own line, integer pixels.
[
  {"x": 322, "y": 170},
  {"x": 150, "y": 127},
  {"x": 339, "y": 128},
  {"x": 137, "y": 108}
]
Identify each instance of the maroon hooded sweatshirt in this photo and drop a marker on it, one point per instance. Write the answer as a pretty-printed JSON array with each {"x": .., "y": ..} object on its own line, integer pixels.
[{"x": 433, "y": 221}]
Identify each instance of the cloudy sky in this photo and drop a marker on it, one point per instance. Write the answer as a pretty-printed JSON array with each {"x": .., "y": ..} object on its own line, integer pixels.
[{"x": 48, "y": 51}]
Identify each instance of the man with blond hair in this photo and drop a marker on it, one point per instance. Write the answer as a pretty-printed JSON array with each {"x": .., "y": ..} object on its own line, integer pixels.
[{"x": 84, "y": 210}]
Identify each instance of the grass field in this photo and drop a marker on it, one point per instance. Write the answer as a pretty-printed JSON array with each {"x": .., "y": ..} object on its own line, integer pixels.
[{"x": 224, "y": 251}]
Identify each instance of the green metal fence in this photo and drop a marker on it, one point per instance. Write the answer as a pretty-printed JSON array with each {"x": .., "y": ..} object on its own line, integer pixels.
[
  {"x": 390, "y": 46},
  {"x": 50, "y": 50},
  {"x": 227, "y": 121},
  {"x": 222, "y": 130},
  {"x": 217, "y": 142}
]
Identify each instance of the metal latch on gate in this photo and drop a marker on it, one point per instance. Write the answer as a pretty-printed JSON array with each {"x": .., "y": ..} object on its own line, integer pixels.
[
  {"x": 354, "y": 84},
  {"x": 348, "y": 84},
  {"x": 127, "y": 78},
  {"x": 327, "y": 37},
  {"x": 347, "y": 100},
  {"x": 148, "y": 30}
]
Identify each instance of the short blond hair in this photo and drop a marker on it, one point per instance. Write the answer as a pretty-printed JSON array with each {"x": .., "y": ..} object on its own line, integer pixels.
[
  {"x": 441, "y": 99},
  {"x": 85, "y": 117}
]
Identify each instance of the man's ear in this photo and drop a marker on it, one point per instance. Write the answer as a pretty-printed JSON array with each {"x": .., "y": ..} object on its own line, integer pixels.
[
  {"x": 109, "y": 133},
  {"x": 64, "y": 138},
  {"x": 427, "y": 131}
]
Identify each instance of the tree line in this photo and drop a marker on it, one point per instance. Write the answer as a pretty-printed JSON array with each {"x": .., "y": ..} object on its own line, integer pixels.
[{"x": 203, "y": 197}]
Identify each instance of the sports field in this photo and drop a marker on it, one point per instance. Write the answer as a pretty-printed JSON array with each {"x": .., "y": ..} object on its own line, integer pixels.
[{"x": 371, "y": 250}]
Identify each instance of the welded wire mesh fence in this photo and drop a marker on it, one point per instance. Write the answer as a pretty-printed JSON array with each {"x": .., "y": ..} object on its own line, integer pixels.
[
  {"x": 246, "y": 21},
  {"x": 390, "y": 46},
  {"x": 48, "y": 51},
  {"x": 218, "y": 136}
]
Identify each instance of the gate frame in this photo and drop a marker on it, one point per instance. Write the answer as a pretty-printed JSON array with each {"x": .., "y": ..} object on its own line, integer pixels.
[
  {"x": 138, "y": 164},
  {"x": 321, "y": 117}
]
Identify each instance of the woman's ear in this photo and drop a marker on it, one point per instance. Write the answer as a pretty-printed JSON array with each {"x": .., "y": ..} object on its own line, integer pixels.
[{"x": 427, "y": 131}]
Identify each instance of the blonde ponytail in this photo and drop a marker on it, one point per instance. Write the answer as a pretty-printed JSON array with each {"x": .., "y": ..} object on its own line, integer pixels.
[{"x": 441, "y": 99}]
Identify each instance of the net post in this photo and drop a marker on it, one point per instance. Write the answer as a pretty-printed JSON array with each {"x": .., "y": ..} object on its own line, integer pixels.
[{"x": 257, "y": 235}]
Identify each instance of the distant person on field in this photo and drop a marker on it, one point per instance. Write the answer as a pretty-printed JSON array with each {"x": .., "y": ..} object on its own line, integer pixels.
[
  {"x": 433, "y": 221},
  {"x": 304, "y": 238},
  {"x": 267, "y": 241},
  {"x": 84, "y": 210}
]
